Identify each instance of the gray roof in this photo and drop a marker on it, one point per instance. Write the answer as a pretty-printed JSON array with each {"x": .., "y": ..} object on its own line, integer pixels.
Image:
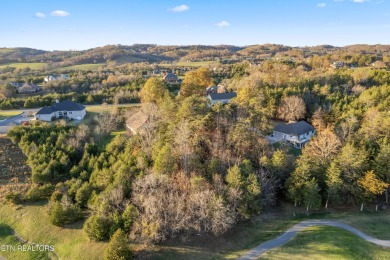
[
  {"x": 294, "y": 129},
  {"x": 45, "y": 110},
  {"x": 66, "y": 105},
  {"x": 222, "y": 96}
]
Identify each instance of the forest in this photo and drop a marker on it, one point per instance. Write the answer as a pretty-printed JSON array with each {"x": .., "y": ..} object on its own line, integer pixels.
[{"x": 201, "y": 169}]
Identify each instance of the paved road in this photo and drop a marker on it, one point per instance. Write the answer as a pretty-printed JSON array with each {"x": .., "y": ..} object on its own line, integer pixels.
[{"x": 290, "y": 234}]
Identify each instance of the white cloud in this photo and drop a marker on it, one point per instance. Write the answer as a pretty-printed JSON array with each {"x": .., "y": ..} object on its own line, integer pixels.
[
  {"x": 59, "y": 13},
  {"x": 321, "y": 5},
  {"x": 360, "y": 1},
  {"x": 223, "y": 24},
  {"x": 338, "y": 0},
  {"x": 179, "y": 8},
  {"x": 40, "y": 15}
]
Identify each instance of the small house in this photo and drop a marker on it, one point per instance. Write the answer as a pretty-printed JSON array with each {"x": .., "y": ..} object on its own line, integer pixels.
[
  {"x": 65, "y": 109},
  {"x": 28, "y": 88},
  {"x": 296, "y": 133},
  {"x": 136, "y": 122}
]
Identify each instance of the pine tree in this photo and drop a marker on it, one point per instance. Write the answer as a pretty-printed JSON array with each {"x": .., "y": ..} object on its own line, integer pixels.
[{"x": 118, "y": 248}]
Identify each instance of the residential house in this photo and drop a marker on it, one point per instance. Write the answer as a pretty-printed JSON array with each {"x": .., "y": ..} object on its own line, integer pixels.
[
  {"x": 28, "y": 88},
  {"x": 136, "y": 122},
  {"x": 65, "y": 109},
  {"x": 55, "y": 77},
  {"x": 296, "y": 133},
  {"x": 171, "y": 78},
  {"x": 216, "y": 89},
  {"x": 337, "y": 64},
  {"x": 223, "y": 98}
]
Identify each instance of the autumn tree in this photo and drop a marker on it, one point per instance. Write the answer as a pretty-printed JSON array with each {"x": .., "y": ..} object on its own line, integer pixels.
[
  {"x": 153, "y": 90},
  {"x": 196, "y": 82},
  {"x": 292, "y": 108},
  {"x": 372, "y": 186}
]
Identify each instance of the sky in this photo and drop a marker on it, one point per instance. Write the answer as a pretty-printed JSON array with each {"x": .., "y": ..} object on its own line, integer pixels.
[{"x": 84, "y": 24}]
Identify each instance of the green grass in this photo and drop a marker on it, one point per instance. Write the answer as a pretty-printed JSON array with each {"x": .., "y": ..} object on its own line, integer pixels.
[
  {"x": 6, "y": 114},
  {"x": 195, "y": 63},
  {"x": 32, "y": 223},
  {"x": 82, "y": 67},
  {"x": 327, "y": 243},
  {"x": 11, "y": 243},
  {"x": 6, "y": 50},
  {"x": 35, "y": 66}
]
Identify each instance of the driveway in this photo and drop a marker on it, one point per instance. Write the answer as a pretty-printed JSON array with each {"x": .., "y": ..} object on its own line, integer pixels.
[{"x": 290, "y": 234}]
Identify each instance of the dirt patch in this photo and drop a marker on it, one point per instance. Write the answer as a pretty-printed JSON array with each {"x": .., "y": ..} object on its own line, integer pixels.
[{"x": 14, "y": 172}]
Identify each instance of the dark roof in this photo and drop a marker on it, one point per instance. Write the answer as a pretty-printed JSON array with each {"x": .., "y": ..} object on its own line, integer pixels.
[
  {"x": 294, "y": 129},
  {"x": 170, "y": 76},
  {"x": 45, "y": 110},
  {"x": 221, "y": 96},
  {"x": 66, "y": 105}
]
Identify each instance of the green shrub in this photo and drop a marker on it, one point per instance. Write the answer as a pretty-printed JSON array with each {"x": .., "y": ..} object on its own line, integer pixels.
[
  {"x": 40, "y": 192},
  {"x": 97, "y": 228},
  {"x": 118, "y": 248}
]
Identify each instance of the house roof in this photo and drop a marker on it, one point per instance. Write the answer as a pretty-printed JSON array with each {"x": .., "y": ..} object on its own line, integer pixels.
[
  {"x": 137, "y": 120},
  {"x": 222, "y": 96},
  {"x": 66, "y": 105},
  {"x": 45, "y": 110},
  {"x": 294, "y": 129},
  {"x": 28, "y": 87},
  {"x": 170, "y": 76}
]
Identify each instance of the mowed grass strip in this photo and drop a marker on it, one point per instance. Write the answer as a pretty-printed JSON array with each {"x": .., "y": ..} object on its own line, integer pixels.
[
  {"x": 82, "y": 67},
  {"x": 327, "y": 243},
  {"x": 6, "y": 114},
  {"x": 32, "y": 223},
  {"x": 23, "y": 65}
]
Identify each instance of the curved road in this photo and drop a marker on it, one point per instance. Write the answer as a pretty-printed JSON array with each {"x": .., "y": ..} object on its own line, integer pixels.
[{"x": 290, "y": 234}]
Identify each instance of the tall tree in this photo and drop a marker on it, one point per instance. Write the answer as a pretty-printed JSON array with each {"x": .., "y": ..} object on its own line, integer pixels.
[
  {"x": 195, "y": 82},
  {"x": 118, "y": 248},
  {"x": 292, "y": 108}
]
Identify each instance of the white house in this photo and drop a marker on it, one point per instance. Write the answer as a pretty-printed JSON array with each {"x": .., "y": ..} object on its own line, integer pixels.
[
  {"x": 65, "y": 109},
  {"x": 55, "y": 77},
  {"x": 297, "y": 133},
  {"x": 224, "y": 98}
]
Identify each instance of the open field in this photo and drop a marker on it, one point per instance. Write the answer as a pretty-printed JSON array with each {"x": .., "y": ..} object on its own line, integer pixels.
[
  {"x": 8, "y": 113},
  {"x": 195, "y": 63},
  {"x": 34, "y": 66},
  {"x": 31, "y": 223},
  {"x": 82, "y": 67}
]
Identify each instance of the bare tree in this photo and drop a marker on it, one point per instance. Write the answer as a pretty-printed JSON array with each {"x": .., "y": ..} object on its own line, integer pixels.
[{"x": 292, "y": 108}]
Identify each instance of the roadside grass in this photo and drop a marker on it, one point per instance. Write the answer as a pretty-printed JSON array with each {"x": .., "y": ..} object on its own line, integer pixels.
[
  {"x": 11, "y": 243},
  {"x": 31, "y": 222},
  {"x": 195, "y": 63},
  {"x": 327, "y": 243},
  {"x": 23, "y": 65},
  {"x": 87, "y": 66},
  {"x": 5, "y": 114}
]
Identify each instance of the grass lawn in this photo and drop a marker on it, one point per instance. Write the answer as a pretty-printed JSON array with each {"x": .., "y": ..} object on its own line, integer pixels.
[
  {"x": 82, "y": 67},
  {"x": 34, "y": 66},
  {"x": 195, "y": 63},
  {"x": 327, "y": 243},
  {"x": 32, "y": 223},
  {"x": 11, "y": 252},
  {"x": 5, "y": 114}
]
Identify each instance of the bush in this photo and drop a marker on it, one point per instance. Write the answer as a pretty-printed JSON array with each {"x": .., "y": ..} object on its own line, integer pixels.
[
  {"x": 14, "y": 197},
  {"x": 118, "y": 248},
  {"x": 56, "y": 196},
  {"x": 40, "y": 192},
  {"x": 97, "y": 228},
  {"x": 61, "y": 214}
]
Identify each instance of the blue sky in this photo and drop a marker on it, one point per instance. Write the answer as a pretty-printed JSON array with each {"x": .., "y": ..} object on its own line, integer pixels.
[{"x": 83, "y": 24}]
